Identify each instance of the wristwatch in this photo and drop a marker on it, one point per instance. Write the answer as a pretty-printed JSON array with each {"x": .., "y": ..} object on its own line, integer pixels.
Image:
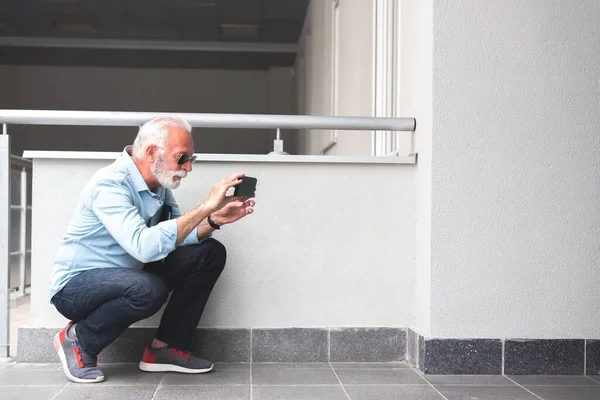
[{"x": 212, "y": 223}]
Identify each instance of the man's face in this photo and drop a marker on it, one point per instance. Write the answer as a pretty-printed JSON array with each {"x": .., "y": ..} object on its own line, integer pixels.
[{"x": 166, "y": 168}]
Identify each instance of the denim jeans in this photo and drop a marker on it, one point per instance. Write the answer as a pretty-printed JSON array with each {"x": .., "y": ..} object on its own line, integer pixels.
[{"x": 104, "y": 302}]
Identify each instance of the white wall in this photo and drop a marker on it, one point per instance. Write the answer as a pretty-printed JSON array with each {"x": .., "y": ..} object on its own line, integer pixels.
[
  {"x": 515, "y": 169},
  {"x": 144, "y": 89},
  {"x": 415, "y": 100},
  {"x": 355, "y": 73},
  {"x": 307, "y": 257}
]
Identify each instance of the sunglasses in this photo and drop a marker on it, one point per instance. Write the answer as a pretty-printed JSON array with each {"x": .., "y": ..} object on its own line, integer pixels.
[{"x": 183, "y": 158}]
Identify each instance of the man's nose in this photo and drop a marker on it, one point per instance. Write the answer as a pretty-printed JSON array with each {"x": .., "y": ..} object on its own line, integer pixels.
[{"x": 187, "y": 166}]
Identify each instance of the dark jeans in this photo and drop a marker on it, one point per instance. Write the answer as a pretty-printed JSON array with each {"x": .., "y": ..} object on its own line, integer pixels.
[{"x": 106, "y": 301}]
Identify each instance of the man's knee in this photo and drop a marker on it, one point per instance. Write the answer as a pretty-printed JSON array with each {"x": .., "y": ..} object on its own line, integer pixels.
[
  {"x": 147, "y": 294},
  {"x": 218, "y": 252}
]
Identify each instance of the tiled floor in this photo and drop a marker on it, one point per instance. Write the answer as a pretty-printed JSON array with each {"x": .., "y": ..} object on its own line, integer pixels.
[{"x": 356, "y": 381}]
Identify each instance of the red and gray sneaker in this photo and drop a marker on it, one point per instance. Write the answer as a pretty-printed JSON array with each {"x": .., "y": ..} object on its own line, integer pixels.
[
  {"x": 78, "y": 365},
  {"x": 171, "y": 360}
]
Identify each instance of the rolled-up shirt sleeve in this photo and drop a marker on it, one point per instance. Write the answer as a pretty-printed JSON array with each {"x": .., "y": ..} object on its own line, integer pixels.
[
  {"x": 113, "y": 205},
  {"x": 192, "y": 238}
]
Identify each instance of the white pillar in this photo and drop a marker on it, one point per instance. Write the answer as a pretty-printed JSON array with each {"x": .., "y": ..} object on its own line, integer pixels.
[
  {"x": 23, "y": 232},
  {"x": 4, "y": 245},
  {"x": 386, "y": 87}
]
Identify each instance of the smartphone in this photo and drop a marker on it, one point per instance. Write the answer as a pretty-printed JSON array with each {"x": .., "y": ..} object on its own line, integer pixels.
[{"x": 246, "y": 188}]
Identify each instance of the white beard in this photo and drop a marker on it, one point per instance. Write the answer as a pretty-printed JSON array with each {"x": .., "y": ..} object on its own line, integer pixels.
[{"x": 164, "y": 176}]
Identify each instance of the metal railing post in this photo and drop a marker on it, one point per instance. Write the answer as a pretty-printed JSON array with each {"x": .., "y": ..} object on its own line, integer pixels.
[
  {"x": 4, "y": 245},
  {"x": 278, "y": 145},
  {"x": 23, "y": 232}
]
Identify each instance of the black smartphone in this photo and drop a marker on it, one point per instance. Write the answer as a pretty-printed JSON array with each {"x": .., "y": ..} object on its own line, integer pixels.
[{"x": 246, "y": 188}]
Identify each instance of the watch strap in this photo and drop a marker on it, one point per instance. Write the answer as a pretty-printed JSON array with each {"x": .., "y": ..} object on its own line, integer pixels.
[{"x": 212, "y": 223}]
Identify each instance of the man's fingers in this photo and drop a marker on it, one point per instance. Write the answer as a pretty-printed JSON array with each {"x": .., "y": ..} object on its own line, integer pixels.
[
  {"x": 234, "y": 199},
  {"x": 237, "y": 177},
  {"x": 230, "y": 184},
  {"x": 229, "y": 199}
]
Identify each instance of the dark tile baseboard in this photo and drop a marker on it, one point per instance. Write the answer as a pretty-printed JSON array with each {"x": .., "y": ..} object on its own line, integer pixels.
[
  {"x": 243, "y": 345},
  {"x": 497, "y": 356},
  {"x": 544, "y": 357},
  {"x": 430, "y": 355},
  {"x": 592, "y": 357},
  {"x": 463, "y": 357}
]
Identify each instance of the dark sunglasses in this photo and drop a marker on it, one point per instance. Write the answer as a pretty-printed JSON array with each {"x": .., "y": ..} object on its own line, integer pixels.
[{"x": 183, "y": 158}]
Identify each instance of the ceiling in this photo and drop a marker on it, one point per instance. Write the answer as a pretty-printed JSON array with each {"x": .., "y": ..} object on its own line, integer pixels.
[{"x": 215, "y": 21}]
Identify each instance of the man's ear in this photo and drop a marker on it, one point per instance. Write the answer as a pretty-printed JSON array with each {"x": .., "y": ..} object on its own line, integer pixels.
[{"x": 151, "y": 152}]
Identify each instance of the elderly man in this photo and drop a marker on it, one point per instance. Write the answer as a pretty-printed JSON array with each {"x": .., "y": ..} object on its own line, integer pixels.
[{"x": 128, "y": 246}]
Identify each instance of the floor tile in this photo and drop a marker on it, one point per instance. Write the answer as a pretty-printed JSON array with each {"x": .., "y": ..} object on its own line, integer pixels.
[
  {"x": 98, "y": 391},
  {"x": 371, "y": 365},
  {"x": 556, "y": 380},
  {"x": 294, "y": 377},
  {"x": 397, "y": 392},
  {"x": 566, "y": 392},
  {"x": 380, "y": 377},
  {"x": 224, "y": 377},
  {"x": 31, "y": 366},
  {"x": 281, "y": 366},
  {"x": 28, "y": 377},
  {"x": 475, "y": 380},
  {"x": 298, "y": 393},
  {"x": 221, "y": 366},
  {"x": 29, "y": 392},
  {"x": 485, "y": 393},
  {"x": 203, "y": 392},
  {"x": 129, "y": 375}
]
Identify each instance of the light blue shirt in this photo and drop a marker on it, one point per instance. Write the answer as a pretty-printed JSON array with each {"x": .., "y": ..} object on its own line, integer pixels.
[{"x": 115, "y": 225}]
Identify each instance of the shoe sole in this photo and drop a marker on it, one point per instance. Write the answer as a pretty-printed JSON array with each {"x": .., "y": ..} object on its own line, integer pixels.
[
  {"x": 63, "y": 359},
  {"x": 151, "y": 367}
]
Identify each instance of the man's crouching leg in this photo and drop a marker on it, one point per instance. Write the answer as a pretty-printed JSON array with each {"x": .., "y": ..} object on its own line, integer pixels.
[
  {"x": 191, "y": 272},
  {"x": 102, "y": 304}
]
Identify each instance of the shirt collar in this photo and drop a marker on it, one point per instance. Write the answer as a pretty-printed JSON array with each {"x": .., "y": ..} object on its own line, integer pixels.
[{"x": 138, "y": 182}]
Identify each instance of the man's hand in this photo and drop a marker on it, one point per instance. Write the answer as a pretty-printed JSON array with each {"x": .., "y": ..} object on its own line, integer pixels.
[
  {"x": 234, "y": 211},
  {"x": 216, "y": 199}
]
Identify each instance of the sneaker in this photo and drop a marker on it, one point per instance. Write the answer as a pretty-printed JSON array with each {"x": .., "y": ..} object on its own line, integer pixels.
[
  {"x": 78, "y": 365},
  {"x": 171, "y": 360}
]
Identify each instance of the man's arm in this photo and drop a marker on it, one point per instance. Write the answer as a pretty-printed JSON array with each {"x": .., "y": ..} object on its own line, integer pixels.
[
  {"x": 204, "y": 230},
  {"x": 113, "y": 205}
]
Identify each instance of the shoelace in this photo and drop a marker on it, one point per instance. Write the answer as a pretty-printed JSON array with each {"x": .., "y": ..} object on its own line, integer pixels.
[{"x": 87, "y": 360}]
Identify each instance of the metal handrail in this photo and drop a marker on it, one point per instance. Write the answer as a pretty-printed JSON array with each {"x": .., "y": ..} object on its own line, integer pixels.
[
  {"x": 242, "y": 121},
  {"x": 20, "y": 162}
]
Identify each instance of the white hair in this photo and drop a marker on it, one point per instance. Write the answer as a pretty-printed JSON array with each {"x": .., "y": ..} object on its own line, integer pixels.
[{"x": 155, "y": 132}]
